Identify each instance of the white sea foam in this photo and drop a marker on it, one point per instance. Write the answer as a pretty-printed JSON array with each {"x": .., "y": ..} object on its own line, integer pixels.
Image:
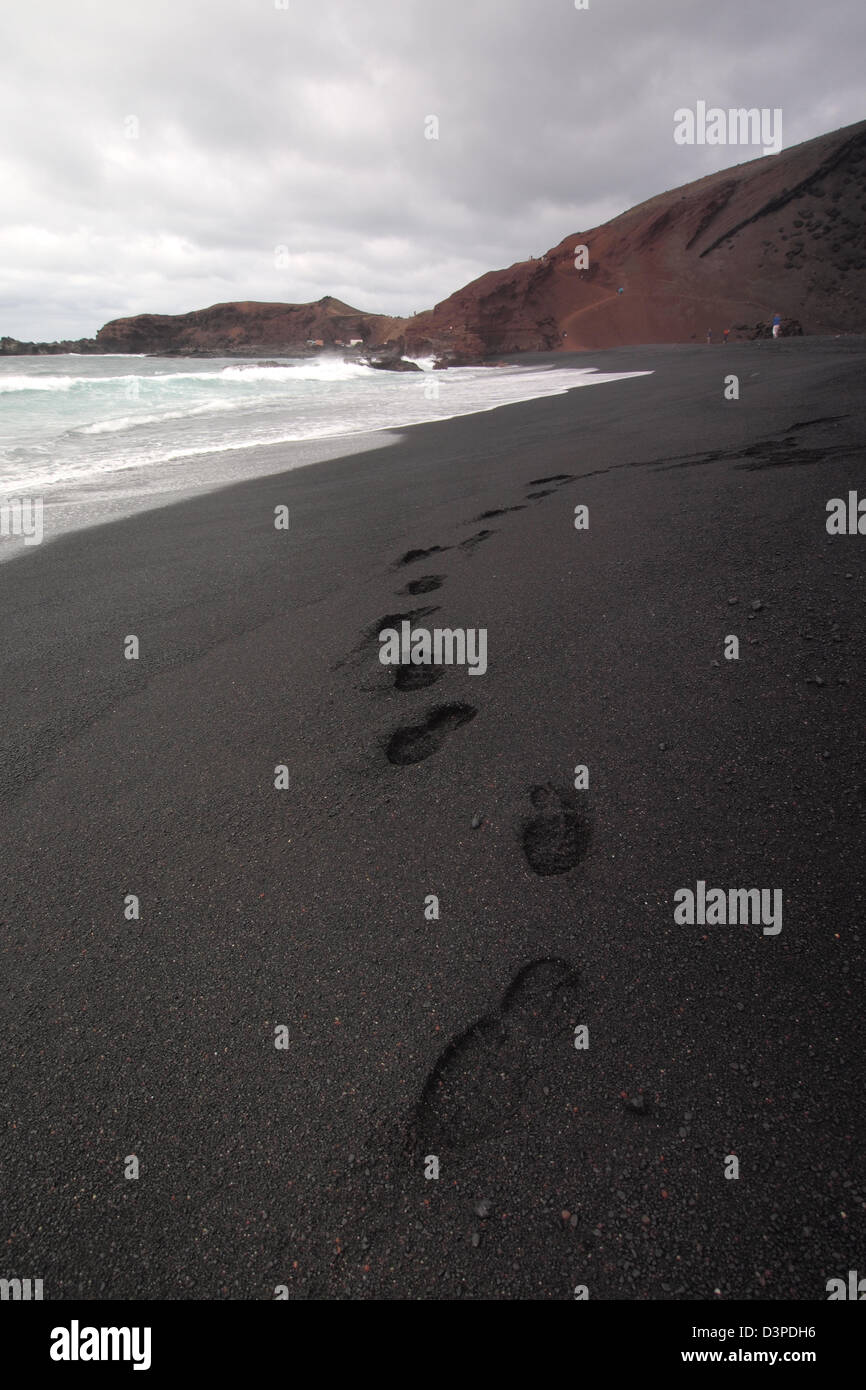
[
  {"x": 65, "y": 430},
  {"x": 36, "y": 383},
  {"x": 62, "y": 383},
  {"x": 126, "y": 422},
  {"x": 241, "y": 374},
  {"x": 317, "y": 369}
]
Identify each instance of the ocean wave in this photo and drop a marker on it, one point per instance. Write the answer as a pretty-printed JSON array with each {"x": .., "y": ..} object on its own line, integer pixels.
[
  {"x": 126, "y": 422},
  {"x": 62, "y": 383},
  {"x": 262, "y": 419},
  {"x": 38, "y": 383},
  {"x": 317, "y": 369},
  {"x": 85, "y": 470},
  {"x": 236, "y": 374}
]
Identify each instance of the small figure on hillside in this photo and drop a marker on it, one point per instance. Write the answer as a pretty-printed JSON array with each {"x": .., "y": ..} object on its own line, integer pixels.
[{"x": 777, "y": 325}]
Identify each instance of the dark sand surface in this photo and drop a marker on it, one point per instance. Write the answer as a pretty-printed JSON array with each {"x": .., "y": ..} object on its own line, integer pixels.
[{"x": 305, "y": 907}]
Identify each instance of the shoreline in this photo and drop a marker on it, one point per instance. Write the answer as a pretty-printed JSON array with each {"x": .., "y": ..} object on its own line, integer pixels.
[
  {"x": 66, "y": 504},
  {"x": 157, "y": 484},
  {"x": 306, "y": 908}
]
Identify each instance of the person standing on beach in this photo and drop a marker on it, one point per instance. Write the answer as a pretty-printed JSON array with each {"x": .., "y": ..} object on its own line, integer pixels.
[{"x": 777, "y": 325}]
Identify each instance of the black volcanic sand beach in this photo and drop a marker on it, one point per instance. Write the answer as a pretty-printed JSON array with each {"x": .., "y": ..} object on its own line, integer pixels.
[{"x": 305, "y": 907}]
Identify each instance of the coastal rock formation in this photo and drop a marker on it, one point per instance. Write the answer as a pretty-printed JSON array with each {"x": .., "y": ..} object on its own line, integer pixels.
[
  {"x": 390, "y": 358},
  {"x": 783, "y": 233},
  {"x": 247, "y": 327},
  {"x": 11, "y": 347},
  {"x": 393, "y": 364}
]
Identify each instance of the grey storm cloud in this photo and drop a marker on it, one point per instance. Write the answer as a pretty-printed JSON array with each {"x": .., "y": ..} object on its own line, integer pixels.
[{"x": 154, "y": 156}]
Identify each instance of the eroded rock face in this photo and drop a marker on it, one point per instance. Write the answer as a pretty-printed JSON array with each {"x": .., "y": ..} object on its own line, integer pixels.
[{"x": 784, "y": 230}]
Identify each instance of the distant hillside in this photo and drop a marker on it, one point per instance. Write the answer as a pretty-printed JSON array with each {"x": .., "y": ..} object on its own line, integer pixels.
[
  {"x": 783, "y": 233},
  {"x": 247, "y": 329},
  {"x": 247, "y": 326}
]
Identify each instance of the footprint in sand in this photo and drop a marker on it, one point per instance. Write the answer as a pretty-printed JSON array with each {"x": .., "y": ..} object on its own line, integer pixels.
[
  {"x": 471, "y": 541},
  {"x": 393, "y": 620},
  {"x": 557, "y": 478},
  {"x": 370, "y": 635},
  {"x": 412, "y": 677},
  {"x": 412, "y": 555},
  {"x": 416, "y": 742},
  {"x": 477, "y": 1087},
  {"x": 425, "y": 585},
  {"x": 497, "y": 511},
  {"x": 557, "y": 837},
  {"x": 416, "y": 677}
]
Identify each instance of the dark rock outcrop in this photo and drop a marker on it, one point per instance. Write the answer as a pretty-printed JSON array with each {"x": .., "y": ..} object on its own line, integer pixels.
[
  {"x": 11, "y": 347},
  {"x": 791, "y": 328},
  {"x": 389, "y": 358}
]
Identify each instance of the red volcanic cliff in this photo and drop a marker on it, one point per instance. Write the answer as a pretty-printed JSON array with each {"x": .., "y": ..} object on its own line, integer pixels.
[{"x": 783, "y": 233}]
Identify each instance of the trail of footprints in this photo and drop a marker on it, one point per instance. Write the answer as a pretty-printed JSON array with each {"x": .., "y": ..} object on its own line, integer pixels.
[
  {"x": 484, "y": 1082},
  {"x": 415, "y": 742},
  {"x": 477, "y": 1086}
]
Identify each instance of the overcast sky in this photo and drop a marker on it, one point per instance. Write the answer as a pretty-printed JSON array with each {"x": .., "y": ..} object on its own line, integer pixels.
[{"x": 261, "y": 127}]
